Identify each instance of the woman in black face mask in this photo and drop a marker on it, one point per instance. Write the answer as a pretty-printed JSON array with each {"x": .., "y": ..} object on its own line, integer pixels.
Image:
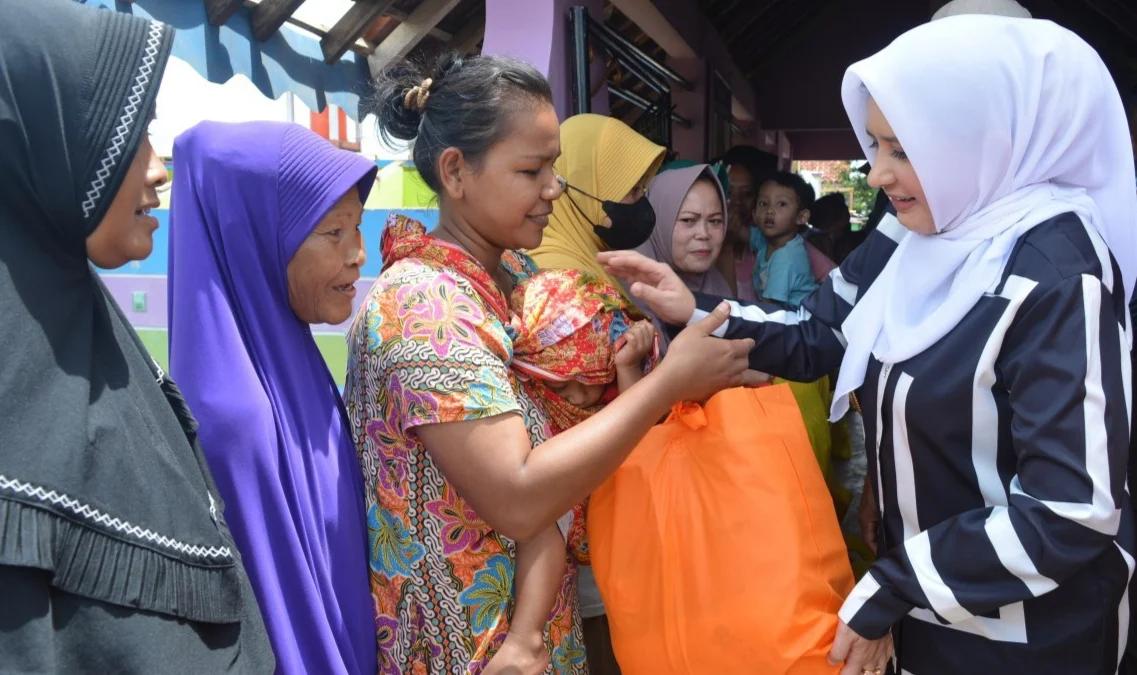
[{"x": 605, "y": 167}]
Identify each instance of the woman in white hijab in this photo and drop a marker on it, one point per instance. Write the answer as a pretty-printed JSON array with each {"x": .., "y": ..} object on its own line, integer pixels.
[{"x": 986, "y": 336}]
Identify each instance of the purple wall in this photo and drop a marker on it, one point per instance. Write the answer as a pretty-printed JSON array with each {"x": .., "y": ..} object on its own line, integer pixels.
[
  {"x": 537, "y": 31},
  {"x": 123, "y": 287},
  {"x": 691, "y": 143}
]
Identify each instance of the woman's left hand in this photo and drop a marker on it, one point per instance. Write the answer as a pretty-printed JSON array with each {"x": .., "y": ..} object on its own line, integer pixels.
[
  {"x": 518, "y": 656},
  {"x": 860, "y": 656}
]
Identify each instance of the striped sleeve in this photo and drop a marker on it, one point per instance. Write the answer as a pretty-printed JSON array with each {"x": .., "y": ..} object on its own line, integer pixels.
[
  {"x": 1064, "y": 364},
  {"x": 805, "y": 344},
  {"x": 793, "y": 344},
  {"x": 796, "y": 344}
]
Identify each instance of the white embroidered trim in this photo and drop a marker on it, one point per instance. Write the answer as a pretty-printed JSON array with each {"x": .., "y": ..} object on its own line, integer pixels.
[
  {"x": 91, "y": 514},
  {"x": 126, "y": 121}
]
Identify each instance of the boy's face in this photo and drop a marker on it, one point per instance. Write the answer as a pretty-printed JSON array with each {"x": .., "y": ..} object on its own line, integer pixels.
[
  {"x": 776, "y": 212},
  {"x": 579, "y": 394}
]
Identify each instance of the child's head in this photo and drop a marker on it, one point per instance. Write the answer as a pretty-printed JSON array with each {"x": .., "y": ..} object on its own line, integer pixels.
[
  {"x": 578, "y": 393},
  {"x": 784, "y": 201},
  {"x": 567, "y": 325}
]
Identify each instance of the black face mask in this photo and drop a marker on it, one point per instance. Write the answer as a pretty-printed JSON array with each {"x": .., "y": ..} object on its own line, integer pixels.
[{"x": 631, "y": 223}]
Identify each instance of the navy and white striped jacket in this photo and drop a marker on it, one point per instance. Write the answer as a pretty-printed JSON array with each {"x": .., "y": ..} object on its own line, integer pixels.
[{"x": 998, "y": 457}]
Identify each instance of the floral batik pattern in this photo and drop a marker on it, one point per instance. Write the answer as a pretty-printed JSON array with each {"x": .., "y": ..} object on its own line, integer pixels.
[
  {"x": 431, "y": 345},
  {"x": 568, "y": 325}
]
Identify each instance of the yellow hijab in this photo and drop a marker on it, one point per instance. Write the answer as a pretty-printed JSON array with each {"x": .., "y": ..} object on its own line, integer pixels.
[{"x": 607, "y": 159}]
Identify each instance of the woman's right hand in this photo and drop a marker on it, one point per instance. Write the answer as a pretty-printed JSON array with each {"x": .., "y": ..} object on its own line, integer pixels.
[{"x": 698, "y": 366}]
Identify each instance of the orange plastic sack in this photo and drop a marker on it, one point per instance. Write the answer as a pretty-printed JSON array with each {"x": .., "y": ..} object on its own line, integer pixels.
[{"x": 716, "y": 547}]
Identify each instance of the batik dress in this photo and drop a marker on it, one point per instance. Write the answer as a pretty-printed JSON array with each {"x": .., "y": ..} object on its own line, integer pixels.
[{"x": 431, "y": 345}]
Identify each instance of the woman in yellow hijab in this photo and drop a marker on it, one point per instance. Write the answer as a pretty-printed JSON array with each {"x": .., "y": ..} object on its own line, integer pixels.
[{"x": 606, "y": 165}]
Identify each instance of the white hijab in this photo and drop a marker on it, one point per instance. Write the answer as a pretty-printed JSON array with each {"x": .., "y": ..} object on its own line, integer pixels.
[{"x": 1007, "y": 123}]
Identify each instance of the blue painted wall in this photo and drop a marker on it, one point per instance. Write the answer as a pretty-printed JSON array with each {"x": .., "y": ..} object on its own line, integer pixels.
[{"x": 372, "y": 227}]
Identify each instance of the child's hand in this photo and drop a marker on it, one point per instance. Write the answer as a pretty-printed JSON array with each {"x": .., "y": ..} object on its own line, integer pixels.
[
  {"x": 638, "y": 343},
  {"x": 519, "y": 656}
]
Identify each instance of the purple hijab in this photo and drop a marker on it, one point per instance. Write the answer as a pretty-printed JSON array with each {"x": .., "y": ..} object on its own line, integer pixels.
[{"x": 273, "y": 427}]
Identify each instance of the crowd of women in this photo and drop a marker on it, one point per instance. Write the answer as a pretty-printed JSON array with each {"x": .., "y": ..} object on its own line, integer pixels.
[{"x": 240, "y": 515}]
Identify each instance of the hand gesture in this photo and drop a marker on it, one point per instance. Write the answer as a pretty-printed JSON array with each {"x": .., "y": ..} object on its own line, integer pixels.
[
  {"x": 697, "y": 366},
  {"x": 859, "y": 655},
  {"x": 638, "y": 342},
  {"x": 653, "y": 282},
  {"x": 518, "y": 657}
]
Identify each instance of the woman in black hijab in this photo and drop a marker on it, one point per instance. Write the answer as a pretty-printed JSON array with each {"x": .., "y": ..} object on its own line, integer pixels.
[{"x": 114, "y": 555}]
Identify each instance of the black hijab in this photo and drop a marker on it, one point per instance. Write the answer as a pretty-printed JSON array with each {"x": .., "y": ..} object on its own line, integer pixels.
[{"x": 100, "y": 481}]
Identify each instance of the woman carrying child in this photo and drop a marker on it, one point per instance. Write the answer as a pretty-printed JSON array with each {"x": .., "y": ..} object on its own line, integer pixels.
[{"x": 445, "y": 431}]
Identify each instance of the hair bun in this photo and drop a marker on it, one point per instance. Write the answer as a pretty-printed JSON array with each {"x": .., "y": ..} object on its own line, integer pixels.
[
  {"x": 455, "y": 103},
  {"x": 398, "y": 101},
  {"x": 417, "y": 96},
  {"x": 447, "y": 65}
]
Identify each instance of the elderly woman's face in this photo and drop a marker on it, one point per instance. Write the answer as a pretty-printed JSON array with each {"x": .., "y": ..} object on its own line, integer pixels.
[
  {"x": 699, "y": 229},
  {"x": 126, "y": 232},
  {"x": 322, "y": 274}
]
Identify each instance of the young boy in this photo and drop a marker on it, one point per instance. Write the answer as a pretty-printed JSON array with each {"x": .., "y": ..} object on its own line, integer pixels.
[
  {"x": 575, "y": 348},
  {"x": 783, "y": 273}
]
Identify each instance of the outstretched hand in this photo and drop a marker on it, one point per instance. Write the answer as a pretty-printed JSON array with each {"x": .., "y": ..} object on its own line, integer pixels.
[
  {"x": 698, "y": 365},
  {"x": 653, "y": 282}
]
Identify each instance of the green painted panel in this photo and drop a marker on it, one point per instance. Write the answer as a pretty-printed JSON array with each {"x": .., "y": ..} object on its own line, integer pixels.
[
  {"x": 416, "y": 194},
  {"x": 388, "y": 193},
  {"x": 332, "y": 346},
  {"x": 157, "y": 344}
]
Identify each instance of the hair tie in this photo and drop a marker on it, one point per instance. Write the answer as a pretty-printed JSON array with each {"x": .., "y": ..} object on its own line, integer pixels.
[{"x": 416, "y": 97}]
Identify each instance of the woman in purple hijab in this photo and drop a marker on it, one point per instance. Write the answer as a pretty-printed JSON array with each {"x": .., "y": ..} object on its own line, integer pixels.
[{"x": 264, "y": 241}]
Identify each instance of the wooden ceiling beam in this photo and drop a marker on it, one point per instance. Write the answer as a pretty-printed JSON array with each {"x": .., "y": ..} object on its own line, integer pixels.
[
  {"x": 350, "y": 26},
  {"x": 409, "y": 33},
  {"x": 466, "y": 40},
  {"x": 436, "y": 32},
  {"x": 742, "y": 23},
  {"x": 220, "y": 11},
  {"x": 795, "y": 30},
  {"x": 269, "y": 15}
]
